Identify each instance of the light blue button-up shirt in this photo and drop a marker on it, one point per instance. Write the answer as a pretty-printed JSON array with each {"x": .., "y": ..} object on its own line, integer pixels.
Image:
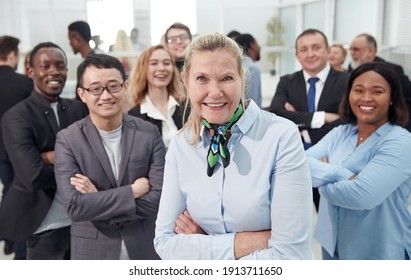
[
  {"x": 266, "y": 186},
  {"x": 252, "y": 81},
  {"x": 367, "y": 217}
]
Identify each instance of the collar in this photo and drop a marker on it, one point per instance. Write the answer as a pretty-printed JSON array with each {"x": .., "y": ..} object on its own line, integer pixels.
[
  {"x": 7, "y": 68},
  {"x": 381, "y": 131},
  {"x": 41, "y": 100},
  {"x": 322, "y": 75},
  {"x": 251, "y": 111},
  {"x": 148, "y": 107},
  {"x": 246, "y": 57}
]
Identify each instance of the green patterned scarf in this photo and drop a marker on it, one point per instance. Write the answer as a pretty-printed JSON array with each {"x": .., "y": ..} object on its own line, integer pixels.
[{"x": 218, "y": 145}]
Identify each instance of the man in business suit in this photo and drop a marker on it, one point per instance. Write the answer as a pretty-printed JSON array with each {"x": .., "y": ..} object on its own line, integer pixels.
[
  {"x": 291, "y": 97},
  {"x": 109, "y": 169},
  {"x": 14, "y": 87},
  {"x": 363, "y": 49},
  {"x": 31, "y": 210}
]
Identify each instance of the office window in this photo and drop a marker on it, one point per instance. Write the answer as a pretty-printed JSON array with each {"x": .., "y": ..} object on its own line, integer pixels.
[
  {"x": 314, "y": 15},
  {"x": 165, "y": 12},
  {"x": 106, "y": 17},
  {"x": 288, "y": 17}
]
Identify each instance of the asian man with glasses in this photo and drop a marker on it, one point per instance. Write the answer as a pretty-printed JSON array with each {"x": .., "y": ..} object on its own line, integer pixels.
[{"x": 109, "y": 169}]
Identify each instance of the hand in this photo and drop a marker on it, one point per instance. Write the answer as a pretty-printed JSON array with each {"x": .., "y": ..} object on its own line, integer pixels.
[
  {"x": 186, "y": 225},
  {"x": 250, "y": 241},
  {"x": 83, "y": 184},
  {"x": 289, "y": 107},
  {"x": 324, "y": 159},
  {"x": 140, "y": 187},
  {"x": 48, "y": 157},
  {"x": 330, "y": 117}
]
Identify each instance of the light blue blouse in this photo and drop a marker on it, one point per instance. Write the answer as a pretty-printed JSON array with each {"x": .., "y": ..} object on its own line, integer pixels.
[
  {"x": 252, "y": 81},
  {"x": 367, "y": 217},
  {"x": 266, "y": 186}
]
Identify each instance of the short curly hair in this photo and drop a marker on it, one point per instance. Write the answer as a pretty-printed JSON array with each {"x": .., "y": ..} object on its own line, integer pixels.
[{"x": 82, "y": 28}]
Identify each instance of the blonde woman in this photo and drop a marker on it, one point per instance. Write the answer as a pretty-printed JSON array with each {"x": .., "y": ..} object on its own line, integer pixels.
[
  {"x": 155, "y": 91},
  {"x": 236, "y": 182},
  {"x": 336, "y": 57},
  {"x": 123, "y": 46}
]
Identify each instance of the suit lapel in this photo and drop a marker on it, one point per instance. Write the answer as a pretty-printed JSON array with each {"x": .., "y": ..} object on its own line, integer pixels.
[
  {"x": 327, "y": 90},
  {"x": 302, "y": 91},
  {"x": 127, "y": 141},
  {"x": 51, "y": 118},
  {"x": 44, "y": 107},
  {"x": 93, "y": 137},
  {"x": 178, "y": 117},
  {"x": 62, "y": 114}
]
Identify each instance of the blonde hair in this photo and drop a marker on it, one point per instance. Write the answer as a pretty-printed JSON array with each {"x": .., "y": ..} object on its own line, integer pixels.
[
  {"x": 341, "y": 47},
  {"x": 123, "y": 44},
  {"x": 209, "y": 42},
  {"x": 138, "y": 85}
]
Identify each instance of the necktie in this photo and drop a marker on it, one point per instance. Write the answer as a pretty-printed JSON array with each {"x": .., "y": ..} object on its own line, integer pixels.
[
  {"x": 311, "y": 94},
  {"x": 218, "y": 145}
]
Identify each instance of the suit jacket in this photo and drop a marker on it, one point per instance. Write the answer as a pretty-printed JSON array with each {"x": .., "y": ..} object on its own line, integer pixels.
[
  {"x": 31, "y": 128},
  {"x": 14, "y": 87},
  {"x": 177, "y": 117},
  {"x": 405, "y": 84},
  {"x": 102, "y": 220},
  {"x": 292, "y": 89}
]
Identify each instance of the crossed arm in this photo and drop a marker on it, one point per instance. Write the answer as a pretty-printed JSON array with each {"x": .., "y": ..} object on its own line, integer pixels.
[
  {"x": 84, "y": 185},
  {"x": 244, "y": 242}
]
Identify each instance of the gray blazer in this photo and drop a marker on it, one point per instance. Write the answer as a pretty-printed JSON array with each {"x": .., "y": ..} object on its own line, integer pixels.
[{"x": 102, "y": 220}]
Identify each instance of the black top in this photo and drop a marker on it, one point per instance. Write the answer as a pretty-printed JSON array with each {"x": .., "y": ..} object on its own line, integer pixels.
[
  {"x": 179, "y": 65},
  {"x": 14, "y": 87},
  {"x": 177, "y": 117}
]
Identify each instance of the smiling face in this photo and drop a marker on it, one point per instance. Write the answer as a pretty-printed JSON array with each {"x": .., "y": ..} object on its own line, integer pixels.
[
  {"x": 361, "y": 52},
  {"x": 49, "y": 72},
  {"x": 312, "y": 53},
  {"x": 160, "y": 69},
  {"x": 370, "y": 99},
  {"x": 336, "y": 57},
  {"x": 180, "y": 40},
  {"x": 106, "y": 107},
  {"x": 214, "y": 85}
]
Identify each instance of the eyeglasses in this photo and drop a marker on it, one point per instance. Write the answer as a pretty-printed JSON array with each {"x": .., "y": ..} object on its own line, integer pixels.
[
  {"x": 356, "y": 49},
  {"x": 174, "y": 39},
  {"x": 112, "y": 88}
]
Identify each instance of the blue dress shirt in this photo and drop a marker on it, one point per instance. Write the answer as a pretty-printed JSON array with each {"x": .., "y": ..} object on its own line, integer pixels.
[
  {"x": 367, "y": 217},
  {"x": 266, "y": 186},
  {"x": 252, "y": 81}
]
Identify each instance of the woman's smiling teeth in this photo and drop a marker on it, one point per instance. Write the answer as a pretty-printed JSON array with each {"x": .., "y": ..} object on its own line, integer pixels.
[
  {"x": 106, "y": 104},
  {"x": 367, "y": 108},
  {"x": 214, "y": 104}
]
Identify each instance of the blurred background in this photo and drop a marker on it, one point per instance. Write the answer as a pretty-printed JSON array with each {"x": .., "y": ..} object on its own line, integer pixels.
[{"x": 274, "y": 23}]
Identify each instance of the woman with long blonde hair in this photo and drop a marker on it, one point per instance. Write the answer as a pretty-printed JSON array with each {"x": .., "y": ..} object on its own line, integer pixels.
[{"x": 154, "y": 85}]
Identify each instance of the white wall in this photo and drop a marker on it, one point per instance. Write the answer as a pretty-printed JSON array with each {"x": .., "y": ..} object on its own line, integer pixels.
[{"x": 34, "y": 21}]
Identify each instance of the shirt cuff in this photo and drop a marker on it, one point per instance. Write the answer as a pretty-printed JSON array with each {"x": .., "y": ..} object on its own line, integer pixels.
[
  {"x": 223, "y": 246},
  {"x": 306, "y": 136},
  {"x": 318, "y": 119}
]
